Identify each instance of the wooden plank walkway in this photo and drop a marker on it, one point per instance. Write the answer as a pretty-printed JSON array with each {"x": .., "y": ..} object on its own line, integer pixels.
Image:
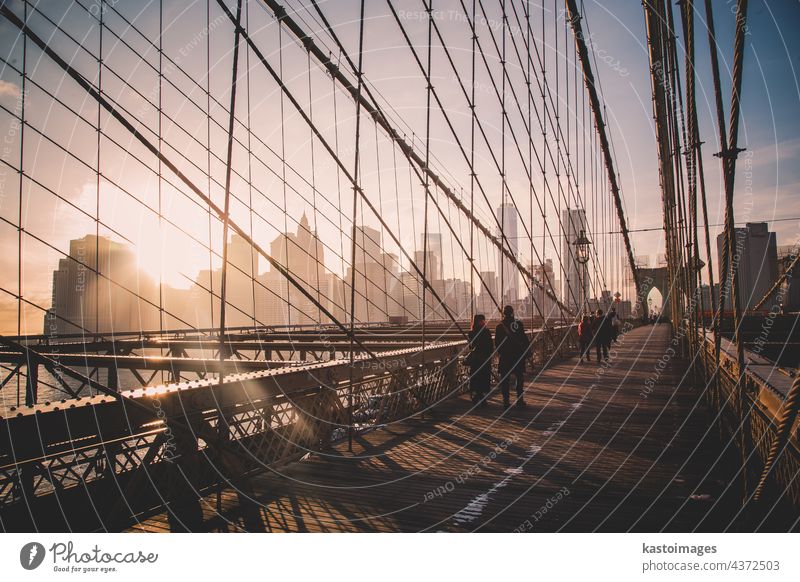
[{"x": 590, "y": 452}]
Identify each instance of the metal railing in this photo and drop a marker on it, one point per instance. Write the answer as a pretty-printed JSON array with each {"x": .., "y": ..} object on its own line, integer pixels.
[
  {"x": 101, "y": 462},
  {"x": 764, "y": 395}
]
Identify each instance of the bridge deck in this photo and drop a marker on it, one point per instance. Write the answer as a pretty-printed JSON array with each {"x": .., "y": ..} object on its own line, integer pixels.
[{"x": 589, "y": 452}]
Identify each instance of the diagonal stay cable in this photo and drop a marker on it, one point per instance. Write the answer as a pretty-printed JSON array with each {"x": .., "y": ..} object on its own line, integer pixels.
[
  {"x": 84, "y": 84},
  {"x": 575, "y": 18},
  {"x": 347, "y": 173},
  {"x": 405, "y": 147}
]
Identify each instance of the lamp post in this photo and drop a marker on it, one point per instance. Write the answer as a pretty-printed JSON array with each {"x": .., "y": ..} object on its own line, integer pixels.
[{"x": 582, "y": 257}]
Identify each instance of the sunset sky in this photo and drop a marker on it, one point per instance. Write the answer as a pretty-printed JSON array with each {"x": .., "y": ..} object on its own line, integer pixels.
[{"x": 172, "y": 229}]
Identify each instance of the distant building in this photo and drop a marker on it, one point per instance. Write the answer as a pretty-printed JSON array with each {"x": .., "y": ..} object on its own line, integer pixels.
[
  {"x": 576, "y": 280},
  {"x": 120, "y": 299},
  {"x": 545, "y": 274},
  {"x": 240, "y": 287},
  {"x": 707, "y": 302},
  {"x": 434, "y": 246},
  {"x": 485, "y": 299},
  {"x": 428, "y": 263},
  {"x": 457, "y": 296},
  {"x": 757, "y": 266},
  {"x": 282, "y": 303},
  {"x": 376, "y": 274},
  {"x": 411, "y": 295},
  {"x": 539, "y": 303},
  {"x": 604, "y": 302},
  {"x": 508, "y": 277},
  {"x": 790, "y": 293}
]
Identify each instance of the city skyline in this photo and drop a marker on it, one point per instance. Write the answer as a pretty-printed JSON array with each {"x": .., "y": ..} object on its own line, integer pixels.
[
  {"x": 125, "y": 298},
  {"x": 75, "y": 176}
]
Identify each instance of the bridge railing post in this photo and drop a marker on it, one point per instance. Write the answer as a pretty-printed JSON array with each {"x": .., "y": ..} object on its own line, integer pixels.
[{"x": 32, "y": 381}]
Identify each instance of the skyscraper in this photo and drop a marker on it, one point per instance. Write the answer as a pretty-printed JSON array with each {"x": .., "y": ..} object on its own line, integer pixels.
[
  {"x": 485, "y": 300},
  {"x": 434, "y": 247},
  {"x": 757, "y": 264},
  {"x": 372, "y": 277},
  {"x": 429, "y": 264},
  {"x": 303, "y": 256},
  {"x": 543, "y": 305},
  {"x": 240, "y": 290},
  {"x": 576, "y": 279},
  {"x": 121, "y": 298},
  {"x": 508, "y": 274}
]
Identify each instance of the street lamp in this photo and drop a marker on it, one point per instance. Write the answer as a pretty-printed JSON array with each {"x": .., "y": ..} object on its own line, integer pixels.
[
  {"x": 582, "y": 257},
  {"x": 582, "y": 248}
]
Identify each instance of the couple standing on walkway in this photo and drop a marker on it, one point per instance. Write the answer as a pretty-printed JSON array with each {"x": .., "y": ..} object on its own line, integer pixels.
[
  {"x": 513, "y": 348},
  {"x": 598, "y": 331}
]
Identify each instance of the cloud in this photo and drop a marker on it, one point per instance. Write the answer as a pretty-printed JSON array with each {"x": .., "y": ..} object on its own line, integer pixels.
[{"x": 9, "y": 89}]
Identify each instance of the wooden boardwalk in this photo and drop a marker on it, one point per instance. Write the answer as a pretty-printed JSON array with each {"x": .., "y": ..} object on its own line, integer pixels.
[{"x": 590, "y": 452}]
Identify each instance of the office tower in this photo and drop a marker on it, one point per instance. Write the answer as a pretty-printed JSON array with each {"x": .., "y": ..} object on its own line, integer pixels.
[
  {"x": 540, "y": 304},
  {"x": 508, "y": 273},
  {"x": 239, "y": 285},
  {"x": 756, "y": 255},
  {"x": 121, "y": 298},
  {"x": 487, "y": 294},
  {"x": 546, "y": 275},
  {"x": 372, "y": 277},
  {"x": 576, "y": 280},
  {"x": 434, "y": 247},
  {"x": 428, "y": 264},
  {"x": 302, "y": 255}
]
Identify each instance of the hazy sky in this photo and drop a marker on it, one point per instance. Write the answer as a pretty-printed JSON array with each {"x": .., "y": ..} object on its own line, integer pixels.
[
  {"x": 770, "y": 125},
  {"x": 60, "y": 201}
]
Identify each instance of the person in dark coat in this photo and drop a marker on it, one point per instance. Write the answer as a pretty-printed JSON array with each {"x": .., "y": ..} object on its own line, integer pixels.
[
  {"x": 479, "y": 359},
  {"x": 615, "y": 324},
  {"x": 602, "y": 334},
  {"x": 585, "y": 337},
  {"x": 513, "y": 347}
]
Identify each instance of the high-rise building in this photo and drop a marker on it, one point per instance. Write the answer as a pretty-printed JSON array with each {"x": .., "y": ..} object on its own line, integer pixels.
[
  {"x": 368, "y": 246},
  {"x": 240, "y": 288},
  {"x": 411, "y": 295},
  {"x": 428, "y": 264},
  {"x": 485, "y": 299},
  {"x": 509, "y": 274},
  {"x": 576, "y": 280},
  {"x": 302, "y": 255},
  {"x": 789, "y": 296},
  {"x": 434, "y": 247},
  {"x": 540, "y": 304},
  {"x": 394, "y": 285},
  {"x": 457, "y": 295},
  {"x": 756, "y": 256},
  {"x": 372, "y": 277},
  {"x": 546, "y": 275},
  {"x": 118, "y": 299}
]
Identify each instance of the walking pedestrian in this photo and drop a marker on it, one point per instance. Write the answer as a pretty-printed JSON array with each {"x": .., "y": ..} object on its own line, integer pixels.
[
  {"x": 602, "y": 334},
  {"x": 585, "y": 337},
  {"x": 616, "y": 324},
  {"x": 479, "y": 359},
  {"x": 513, "y": 347}
]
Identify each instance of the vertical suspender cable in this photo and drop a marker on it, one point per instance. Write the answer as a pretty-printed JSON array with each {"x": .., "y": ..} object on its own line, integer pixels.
[
  {"x": 472, "y": 169},
  {"x": 30, "y": 395},
  {"x": 426, "y": 184},
  {"x": 588, "y": 76},
  {"x": 356, "y": 178},
  {"x": 222, "y": 426},
  {"x": 730, "y": 274},
  {"x": 229, "y": 162}
]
